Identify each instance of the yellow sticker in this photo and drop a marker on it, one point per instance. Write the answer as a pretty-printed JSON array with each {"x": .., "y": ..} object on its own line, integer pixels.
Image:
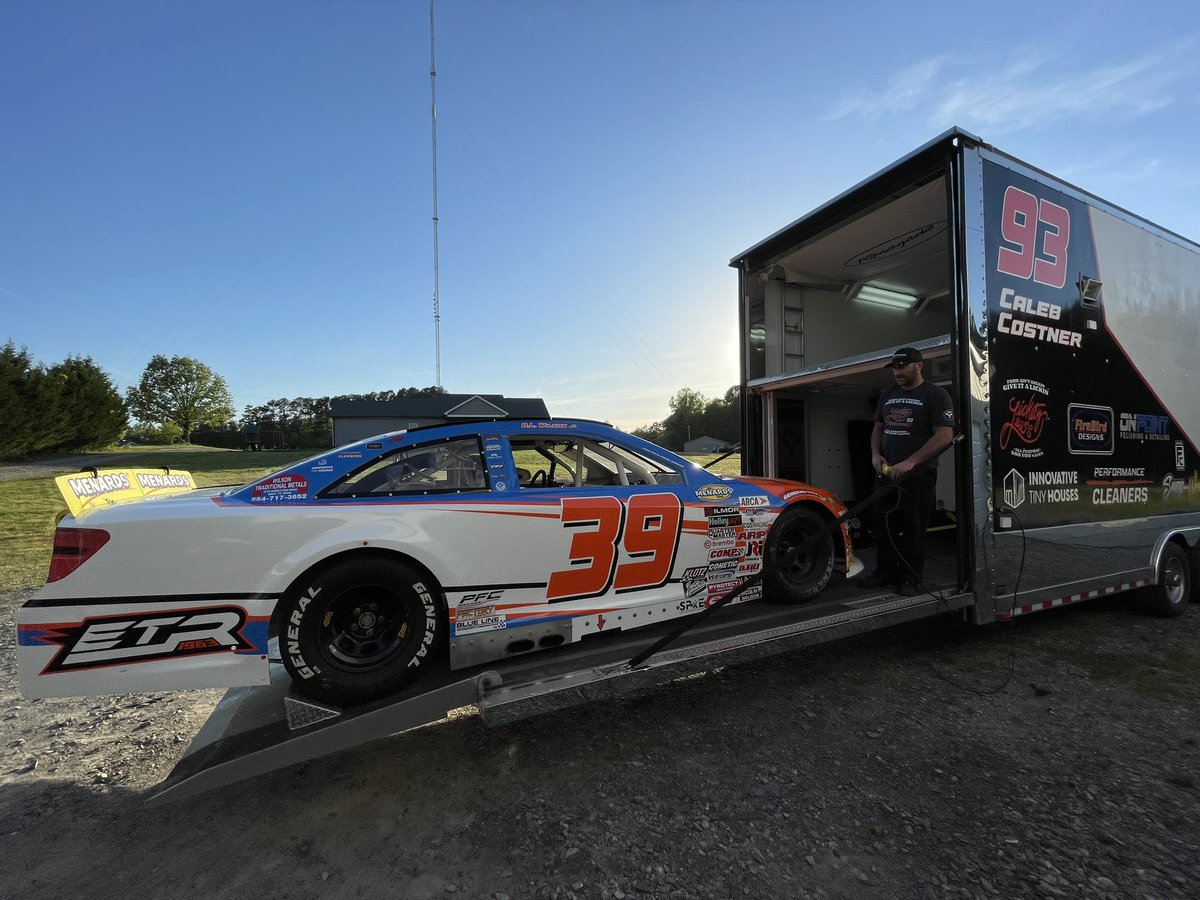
[{"x": 84, "y": 491}]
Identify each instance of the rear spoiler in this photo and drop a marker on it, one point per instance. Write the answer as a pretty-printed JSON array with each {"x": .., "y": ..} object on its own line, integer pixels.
[{"x": 94, "y": 488}]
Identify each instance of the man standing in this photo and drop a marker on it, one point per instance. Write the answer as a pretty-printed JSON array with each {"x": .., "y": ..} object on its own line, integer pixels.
[{"x": 914, "y": 422}]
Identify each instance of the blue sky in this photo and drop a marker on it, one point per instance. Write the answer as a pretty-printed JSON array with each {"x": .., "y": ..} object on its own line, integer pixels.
[{"x": 249, "y": 183}]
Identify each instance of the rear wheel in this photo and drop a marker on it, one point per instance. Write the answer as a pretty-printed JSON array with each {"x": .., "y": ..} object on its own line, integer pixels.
[
  {"x": 359, "y": 630},
  {"x": 798, "y": 557},
  {"x": 1169, "y": 597}
]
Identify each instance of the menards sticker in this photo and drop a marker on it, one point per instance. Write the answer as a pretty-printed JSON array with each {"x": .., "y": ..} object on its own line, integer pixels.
[{"x": 84, "y": 491}]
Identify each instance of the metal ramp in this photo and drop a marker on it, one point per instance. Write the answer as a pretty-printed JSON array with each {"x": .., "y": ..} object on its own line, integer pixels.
[{"x": 256, "y": 730}]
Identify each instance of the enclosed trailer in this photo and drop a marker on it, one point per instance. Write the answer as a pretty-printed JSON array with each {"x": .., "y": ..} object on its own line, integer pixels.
[{"x": 1067, "y": 332}]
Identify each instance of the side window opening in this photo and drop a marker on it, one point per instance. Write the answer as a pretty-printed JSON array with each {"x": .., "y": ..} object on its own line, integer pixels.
[
  {"x": 557, "y": 462},
  {"x": 445, "y": 467}
]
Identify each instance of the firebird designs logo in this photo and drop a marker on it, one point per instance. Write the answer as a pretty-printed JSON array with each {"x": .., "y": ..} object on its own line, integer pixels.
[{"x": 139, "y": 637}]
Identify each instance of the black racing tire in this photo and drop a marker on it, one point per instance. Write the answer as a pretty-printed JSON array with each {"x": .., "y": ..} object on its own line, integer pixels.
[
  {"x": 795, "y": 570},
  {"x": 1170, "y": 596},
  {"x": 359, "y": 629}
]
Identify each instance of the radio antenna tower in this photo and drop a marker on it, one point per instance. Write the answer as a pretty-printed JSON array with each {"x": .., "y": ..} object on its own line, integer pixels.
[{"x": 437, "y": 309}]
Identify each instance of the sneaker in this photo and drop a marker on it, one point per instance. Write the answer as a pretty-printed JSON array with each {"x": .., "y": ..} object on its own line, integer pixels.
[{"x": 875, "y": 580}]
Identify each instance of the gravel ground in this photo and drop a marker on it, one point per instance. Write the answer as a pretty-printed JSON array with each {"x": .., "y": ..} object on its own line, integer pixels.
[{"x": 1055, "y": 757}]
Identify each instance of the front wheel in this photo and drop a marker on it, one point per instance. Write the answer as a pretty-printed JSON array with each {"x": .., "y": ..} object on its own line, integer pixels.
[
  {"x": 798, "y": 557},
  {"x": 359, "y": 630},
  {"x": 1169, "y": 597}
]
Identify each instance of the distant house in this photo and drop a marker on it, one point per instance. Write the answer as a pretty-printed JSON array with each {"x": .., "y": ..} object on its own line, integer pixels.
[
  {"x": 354, "y": 420},
  {"x": 705, "y": 444}
]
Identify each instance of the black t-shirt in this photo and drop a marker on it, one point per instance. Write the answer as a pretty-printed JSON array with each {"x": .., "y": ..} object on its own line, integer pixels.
[{"x": 909, "y": 417}]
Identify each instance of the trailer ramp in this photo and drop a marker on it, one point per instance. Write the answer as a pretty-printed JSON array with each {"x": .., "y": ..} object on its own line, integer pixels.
[{"x": 256, "y": 730}]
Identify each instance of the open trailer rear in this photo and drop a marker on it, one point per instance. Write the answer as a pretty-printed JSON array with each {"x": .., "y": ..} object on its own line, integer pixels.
[{"x": 1066, "y": 331}]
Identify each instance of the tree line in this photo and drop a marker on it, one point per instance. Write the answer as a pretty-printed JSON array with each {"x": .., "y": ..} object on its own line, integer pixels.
[
  {"x": 297, "y": 421},
  {"x": 73, "y": 405},
  {"x": 693, "y": 415},
  {"x": 69, "y": 405}
]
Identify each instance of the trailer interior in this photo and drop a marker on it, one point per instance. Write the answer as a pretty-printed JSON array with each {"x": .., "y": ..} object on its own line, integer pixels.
[{"x": 824, "y": 303}]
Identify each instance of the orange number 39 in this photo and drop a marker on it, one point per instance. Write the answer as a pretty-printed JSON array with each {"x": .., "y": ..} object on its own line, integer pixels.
[{"x": 647, "y": 525}]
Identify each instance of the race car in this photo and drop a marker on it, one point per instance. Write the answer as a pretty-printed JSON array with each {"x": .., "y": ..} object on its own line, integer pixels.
[{"x": 500, "y": 537}]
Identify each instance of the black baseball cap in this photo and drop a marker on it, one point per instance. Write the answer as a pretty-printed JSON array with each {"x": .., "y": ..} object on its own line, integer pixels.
[{"x": 903, "y": 357}]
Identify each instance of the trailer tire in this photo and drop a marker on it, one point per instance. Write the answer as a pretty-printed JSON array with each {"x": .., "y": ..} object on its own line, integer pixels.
[
  {"x": 793, "y": 569},
  {"x": 359, "y": 629},
  {"x": 1170, "y": 596}
]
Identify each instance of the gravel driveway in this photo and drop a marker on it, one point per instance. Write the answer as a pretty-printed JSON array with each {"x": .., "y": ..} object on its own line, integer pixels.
[{"x": 1055, "y": 757}]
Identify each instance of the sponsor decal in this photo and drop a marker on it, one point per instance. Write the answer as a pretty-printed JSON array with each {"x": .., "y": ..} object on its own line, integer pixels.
[
  {"x": 280, "y": 488},
  {"x": 320, "y": 470},
  {"x": 720, "y": 511},
  {"x": 724, "y": 553},
  {"x": 1040, "y": 487},
  {"x": 1145, "y": 427},
  {"x": 722, "y": 588},
  {"x": 692, "y": 604},
  {"x": 695, "y": 572},
  {"x": 750, "y": 567},
  {"x": 723, "y": 521},
  {"x": 1014, "y": 489},
  {"x": 754, "y": 592},
  {"x": 754, "y": 548},
  {"x": 483, "y": 618},
  {"x": 1173, "y": 487},
  {"x": 1107, "y": 496},
  {"x": 375, "y": 445},
  {"x": 1180, "y": 459},
  {"x": 124, "y": 486},
  {"x": 152, "y": 481},
  {"x": 747, "y": 502},
  {"x": 727, "y": 542},
  {"x": 714, "y": 493},
  {"x": 1027, "y": 417},
  {"x": 142, "y": 637},
  {"x": 1053, "y": 487},
  {"x": 495, "y": 448},
  {"x": 790, "y": 494},
  {"x": 352, "y": 455},
  {"x": 500, "y": 486},
  {"x": 754, "y": 534},
  {"x": 1090, "y": 429},
  {"x": 719, "y": 533},
  {"x": 481, "y": 597},
  {"x": 555, "y": 425},
  {"x": 718, "y": 569}
]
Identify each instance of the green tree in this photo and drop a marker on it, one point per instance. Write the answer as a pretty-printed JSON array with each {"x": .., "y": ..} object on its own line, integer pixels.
[
  {"x": 95, "y": 414},
  {"x": 180, "y": 390}
]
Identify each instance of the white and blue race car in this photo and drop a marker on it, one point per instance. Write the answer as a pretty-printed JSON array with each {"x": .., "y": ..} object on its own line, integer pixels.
[{"x": 498, "y": 537}]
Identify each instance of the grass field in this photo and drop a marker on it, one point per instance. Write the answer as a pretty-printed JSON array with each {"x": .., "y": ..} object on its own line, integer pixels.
[{"x": 29, "y": 507}]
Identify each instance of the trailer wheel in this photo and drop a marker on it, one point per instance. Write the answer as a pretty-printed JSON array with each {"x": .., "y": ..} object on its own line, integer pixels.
[
  {"x": 1170, "y": 596},
  {"x": 359, "y": 630},
  {"x": 798, "y": 557}
]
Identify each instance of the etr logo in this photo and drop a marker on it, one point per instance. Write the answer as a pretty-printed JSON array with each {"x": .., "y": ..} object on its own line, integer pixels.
[{"x": 139, "y": 637}]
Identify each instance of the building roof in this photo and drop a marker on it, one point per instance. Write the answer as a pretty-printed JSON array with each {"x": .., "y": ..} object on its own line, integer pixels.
[{"x": 442, "y": 406}]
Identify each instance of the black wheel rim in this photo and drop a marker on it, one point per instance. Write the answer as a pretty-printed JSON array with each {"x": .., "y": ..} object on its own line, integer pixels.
[
  {"x": 801, "y": 551},
  {"x": 364, "y": 627}
]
